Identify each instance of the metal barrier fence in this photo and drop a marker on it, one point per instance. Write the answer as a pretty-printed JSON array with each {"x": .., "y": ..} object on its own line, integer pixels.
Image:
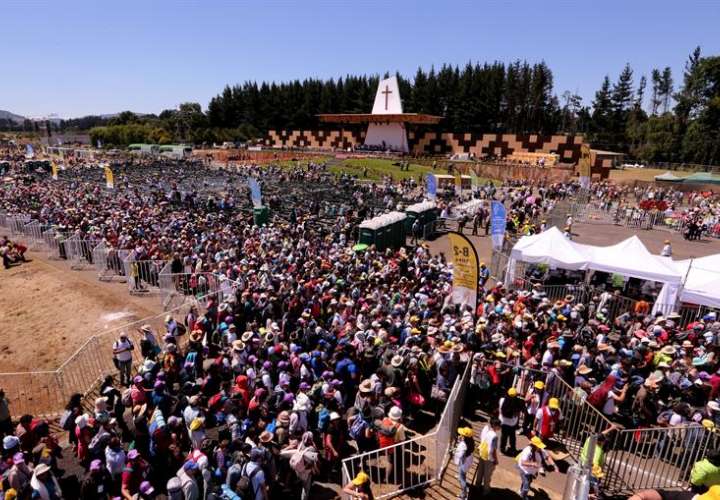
[
  {"x": 655, "y": 458},
  {"x": 47, "y": 392},
  {"x": 143, "y": 276},
  {"x": 78, "y": 252},
  {"x": 108, "y": 262},
  {"x": 176, "y": 287},
  {"x": 416, "y": 462}
]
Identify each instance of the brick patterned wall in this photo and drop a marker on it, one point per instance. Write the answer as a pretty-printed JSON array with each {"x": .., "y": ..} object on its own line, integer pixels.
[{"x": 425, "y": 142}]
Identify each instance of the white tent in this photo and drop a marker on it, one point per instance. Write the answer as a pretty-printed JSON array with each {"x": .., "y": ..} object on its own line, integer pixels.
[
  {"x": 702, "y": 280},
  {"x": 550, "y": 247},
  {"x": 631, "y": 258}
]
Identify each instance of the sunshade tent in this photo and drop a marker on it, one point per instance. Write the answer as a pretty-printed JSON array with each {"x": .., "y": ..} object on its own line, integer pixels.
[
  {"x": 668, "y": 177},
  {"x": 702, "y": 178},
  {"x": 702, "y": 284},
  {"x": 550, "y": 247},
  {"x": 631, "y": 258}
]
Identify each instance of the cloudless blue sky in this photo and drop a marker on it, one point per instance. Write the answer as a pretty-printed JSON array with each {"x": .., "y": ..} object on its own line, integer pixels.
[{"x": 92, "y": 57}]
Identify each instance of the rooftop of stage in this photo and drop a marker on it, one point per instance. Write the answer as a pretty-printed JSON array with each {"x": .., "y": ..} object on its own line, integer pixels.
[{"x": 415, "y": 118}]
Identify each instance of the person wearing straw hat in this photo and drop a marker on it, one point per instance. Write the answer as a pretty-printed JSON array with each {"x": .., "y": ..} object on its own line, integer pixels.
[
  {"x": 359, "y": 487},
  {"x": 463, "y": 458},
  {"x": 530, "y": 462}
]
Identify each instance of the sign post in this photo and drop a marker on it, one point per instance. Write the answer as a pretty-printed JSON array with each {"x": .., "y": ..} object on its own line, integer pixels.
[
  {"x": 465, "y": 270},
  {"x": 498, "y": 221}
]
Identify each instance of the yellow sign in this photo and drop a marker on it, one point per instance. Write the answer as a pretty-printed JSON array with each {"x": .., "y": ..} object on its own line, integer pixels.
[
  {"x": 465, "y": 270},
  {"x": 458, "y": 184},
  {"x": 54, "y": 167},
  {"x": 109, "y": 180},
  {"x": 585, "y": 165}
]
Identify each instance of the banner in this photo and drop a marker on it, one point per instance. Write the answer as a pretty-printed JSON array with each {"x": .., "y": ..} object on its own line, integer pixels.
[
  {"x": 99, "y": 144},
  {"x": 497, "y": 223},
  {"x": 109, "y": 179},
  {"x": 431, "y": 186},
  {"x": 465, "y": 270},
  {"x": 29, "y": 151},
  {"x": 458, "y": 185},
  {"x": 54, "y": 167},
  {"x": 585, "y": 165},
  {"x": 255, "y": 193}
]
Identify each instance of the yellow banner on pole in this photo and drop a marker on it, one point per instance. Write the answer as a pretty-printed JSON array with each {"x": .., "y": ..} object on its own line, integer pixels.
[
  {"x": 109, "y": 179},
  {"x": 54, "y": 167},
  {"x": 465, "y": 270},
  {"x": 584, "y": 165}
]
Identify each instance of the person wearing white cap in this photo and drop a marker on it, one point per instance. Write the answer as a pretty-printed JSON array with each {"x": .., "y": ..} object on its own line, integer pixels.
[
  {"x": 44, "y": 485},
  {"x": 122, "y": 357}
]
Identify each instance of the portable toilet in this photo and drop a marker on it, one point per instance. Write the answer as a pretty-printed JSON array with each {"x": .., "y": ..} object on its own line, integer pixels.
[
  {"x": 425, "y": 212},
  {"x": 384, "y": 231}
]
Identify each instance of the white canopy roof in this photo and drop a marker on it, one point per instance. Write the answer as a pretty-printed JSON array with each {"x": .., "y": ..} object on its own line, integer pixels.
[
  {"x": 702, "y": 285},
  {"x": 631, "y": 258},
  {"x": 550, "y": 247}
]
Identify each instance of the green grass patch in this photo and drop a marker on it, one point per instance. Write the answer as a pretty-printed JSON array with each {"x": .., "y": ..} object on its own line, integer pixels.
[{"x": 378, "y": 167}]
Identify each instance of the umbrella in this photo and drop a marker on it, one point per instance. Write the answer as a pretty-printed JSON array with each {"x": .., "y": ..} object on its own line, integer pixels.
[{"x": 360, "y": 247}]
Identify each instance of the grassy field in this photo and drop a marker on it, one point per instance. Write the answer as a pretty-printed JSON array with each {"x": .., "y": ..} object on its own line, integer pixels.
[
  {"x": 377, "y": 167},
  {"x": 643, "y": 174}
]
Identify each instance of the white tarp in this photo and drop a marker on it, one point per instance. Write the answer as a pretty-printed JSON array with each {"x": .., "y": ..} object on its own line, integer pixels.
[
  {"x": 631, "y": 258},
  {"x": 550, "y": 247},
  {"x": 702, "y": 280}
]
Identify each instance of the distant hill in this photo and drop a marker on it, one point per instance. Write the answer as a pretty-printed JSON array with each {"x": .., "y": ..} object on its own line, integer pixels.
[{"x": 7, "y": 115}]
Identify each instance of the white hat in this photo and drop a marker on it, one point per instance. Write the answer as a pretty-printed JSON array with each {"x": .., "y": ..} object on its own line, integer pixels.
[
  {"x": 395, "y": 414},
  {"x": 334, "y": 416}
]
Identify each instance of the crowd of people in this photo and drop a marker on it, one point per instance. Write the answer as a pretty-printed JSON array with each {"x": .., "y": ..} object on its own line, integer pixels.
[{"x": 321, "y": 351}]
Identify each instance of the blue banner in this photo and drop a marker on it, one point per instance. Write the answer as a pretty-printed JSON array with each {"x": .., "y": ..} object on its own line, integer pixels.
[
  {"x": 498, "y": 218},
  {"x": 431, "y": 186},
  {"x": 29, "y": 151},
  {"x": 255, "y": 193}
]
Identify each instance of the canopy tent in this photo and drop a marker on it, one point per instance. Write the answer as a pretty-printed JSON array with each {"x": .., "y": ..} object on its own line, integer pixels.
[
  {"x": 631, "y": 258},
  {"x": 702, "y": 178},
  {"x": 668, "y": 177},
  {"x": 550, "y": 247},
  {"x": 702, "y": 282}
]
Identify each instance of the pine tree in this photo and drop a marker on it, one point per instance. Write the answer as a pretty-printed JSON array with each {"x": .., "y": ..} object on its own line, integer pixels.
[{"x": 656, "y": 84}]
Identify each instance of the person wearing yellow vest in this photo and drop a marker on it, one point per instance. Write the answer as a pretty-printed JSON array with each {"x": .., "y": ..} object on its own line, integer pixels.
[{"x": 488, "y": 455}]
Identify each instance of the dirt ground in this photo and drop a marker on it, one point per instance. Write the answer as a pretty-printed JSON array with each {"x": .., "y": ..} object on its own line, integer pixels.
[{"x": 48, "y": 311}]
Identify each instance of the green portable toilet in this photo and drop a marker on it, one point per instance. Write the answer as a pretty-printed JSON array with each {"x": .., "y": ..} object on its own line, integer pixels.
[
  {"x": 261, "y": 216},
  {"x": 425, "y": 212},
  {"x": 384, "y": 231}
]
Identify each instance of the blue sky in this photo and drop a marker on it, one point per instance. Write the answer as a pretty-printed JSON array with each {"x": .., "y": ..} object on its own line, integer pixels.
[{"x": 76, "y": 58}]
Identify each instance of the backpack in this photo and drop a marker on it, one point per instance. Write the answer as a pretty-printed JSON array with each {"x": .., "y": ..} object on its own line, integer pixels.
[
  {"x": 126, "y": 398},
  {"x": 244, "y": 485},
  {"x": 66, "y": 420},
  {"x": 357, "y": 428},
  {"x": 323, "y": 419},
  {"x": 386, "y": 433},
  {"x": 507, "y": 408}
]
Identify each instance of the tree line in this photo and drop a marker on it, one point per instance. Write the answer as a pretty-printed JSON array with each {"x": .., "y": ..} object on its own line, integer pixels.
[{"x": 658, "y": 117}]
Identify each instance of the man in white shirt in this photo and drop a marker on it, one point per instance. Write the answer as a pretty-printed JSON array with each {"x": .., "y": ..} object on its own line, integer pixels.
[
  {"x": 488, "y": 455},
  {"x": 530, "y": 461},
  {"x": 122, "y": 354}
]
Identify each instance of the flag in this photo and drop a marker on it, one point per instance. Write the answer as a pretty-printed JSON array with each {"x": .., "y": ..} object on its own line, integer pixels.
[
  {"x": 109, "y": 179},
  {"x": 29, "y": 151},
  {"x": 54, "y": 167},
  {"x": 458, "y": 185},
  {"x": 585, "y": 166},
  {"x": 497, "y": 223},
  {"x": 255, "y": 193},
  {"x": 431, "y": 186},
  {"x": 465, "y": 270}
]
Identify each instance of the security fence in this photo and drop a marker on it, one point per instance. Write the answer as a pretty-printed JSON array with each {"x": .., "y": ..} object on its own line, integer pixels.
[
  {"x": 108, "y": 262},
  {"x": 175, "y": 288},
  {"x": 416, "y": 462},
  {"x": 46, "y": 392},
  {"x": 143, "y": 276}
]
